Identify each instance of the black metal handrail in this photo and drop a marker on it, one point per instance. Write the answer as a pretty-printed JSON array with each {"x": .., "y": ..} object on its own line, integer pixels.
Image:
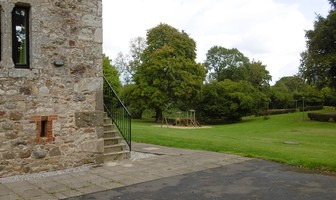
[{"x": 117, "y": 111}]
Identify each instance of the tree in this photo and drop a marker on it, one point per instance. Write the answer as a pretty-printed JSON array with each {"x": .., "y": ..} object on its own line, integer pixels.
[
  {"x": 111, "y": 74},
  {"x": 318, "y": 62},
  {"x": 137, "y": 47},
  {"x": 121, "y": 63},
  {"x": 168, "y": 72},
  {"x": 313, "y": 96},
  {"x": 287, "y": 92},
  {"x": 134, "y": 101},
  {"x": 222, "y": 63},
  {"x": 290, "y": 90},
  {"x": 294, "y": 84},
  {"x": 329, "y": 96},
  {"x": 281, "y": 97},
  {"x": 230, "y": 100},
  {"x": 127, "y": 64},
  {"x": 333, "y": 3},
  {"x": 258, "y": 76}
]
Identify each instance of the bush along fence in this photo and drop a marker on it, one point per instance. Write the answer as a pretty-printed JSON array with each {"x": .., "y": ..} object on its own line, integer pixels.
[
  {"x": 289, "y": 110},
  {"x": 322, "y": 117},
  {"x": 311, "y": 108},
  {"x": 276, "y": 112}
]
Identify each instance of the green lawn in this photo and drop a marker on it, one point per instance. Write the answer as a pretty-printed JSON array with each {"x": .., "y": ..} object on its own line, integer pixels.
[{"x": 254, "y": 137}]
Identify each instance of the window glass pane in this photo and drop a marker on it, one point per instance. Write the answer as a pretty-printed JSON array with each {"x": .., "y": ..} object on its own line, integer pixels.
[{"x": 20, "y": 36}]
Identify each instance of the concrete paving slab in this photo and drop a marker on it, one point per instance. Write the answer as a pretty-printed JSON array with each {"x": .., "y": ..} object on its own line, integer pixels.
[
  {"x": 76, "y": 183},
  {"x": 20, "y": 187},
  {"x": 32, "y": 193},
  {"x": 10, "y": 196},
  {"x": 45, "y": 184},
  {"x": 58, "y": 189},
  {"x": 90, "y": 189},
  {"x": 67, "y": 194},
  {"x": 110, "y": 185}
]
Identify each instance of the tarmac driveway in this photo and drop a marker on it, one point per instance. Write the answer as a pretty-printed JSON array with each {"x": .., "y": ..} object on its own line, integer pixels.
[{"x": 251, "y": 179}]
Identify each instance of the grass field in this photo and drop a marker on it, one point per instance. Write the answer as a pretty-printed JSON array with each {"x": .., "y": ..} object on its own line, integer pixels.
[{"x": 254, "y": 137}]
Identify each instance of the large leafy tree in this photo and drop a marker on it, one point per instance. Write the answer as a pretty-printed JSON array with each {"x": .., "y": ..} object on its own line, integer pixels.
[
  {"x": 281, "y": 97},
  {"x": 329, "y": 96},
  {"x": 222, "y": 63},
  {"x": 230, "y": 100},
  {"x": 295, "y": 85},
  {"x": 318, "y": 62},
  {"x": 134, "y": 100},
  {"x": 258, "y": 75},
  {"x": 168, "y": 73},
  {"x": 288, "y": 92}
]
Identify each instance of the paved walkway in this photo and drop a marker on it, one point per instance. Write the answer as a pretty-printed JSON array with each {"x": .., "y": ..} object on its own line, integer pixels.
[
  {"x": 168, "y": 162},
  {"x": 252, "y": 179}
]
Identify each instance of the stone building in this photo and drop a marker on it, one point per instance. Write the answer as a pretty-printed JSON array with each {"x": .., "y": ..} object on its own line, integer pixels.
[{"x": 51, "y": 80}]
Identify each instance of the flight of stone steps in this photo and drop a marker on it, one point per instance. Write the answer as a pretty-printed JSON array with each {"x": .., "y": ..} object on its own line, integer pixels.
[{"x": 115, "y": 147}]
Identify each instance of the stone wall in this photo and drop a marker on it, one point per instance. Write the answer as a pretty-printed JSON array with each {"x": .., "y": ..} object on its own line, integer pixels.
[{"x": 66, "y": 99}]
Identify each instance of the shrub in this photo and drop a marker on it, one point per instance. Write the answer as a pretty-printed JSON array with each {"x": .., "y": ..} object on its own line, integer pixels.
[
  {"x": 311, "y": 108},
  {"x": 276, "y": 112},
  {"x": 322, "y": 117}
]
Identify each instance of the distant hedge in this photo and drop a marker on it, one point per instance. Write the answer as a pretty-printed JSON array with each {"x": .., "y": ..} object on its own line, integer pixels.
[
  {"x": 276, "y": 112},
  {"x": 311, "y": 108},
  {"x": 322, "y": 117}
]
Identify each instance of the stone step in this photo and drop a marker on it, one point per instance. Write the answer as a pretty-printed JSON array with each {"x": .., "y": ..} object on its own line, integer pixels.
[
  {"x": 112, "y": 140},
  {"x": 112, "y": 133},
  {"x": 114, "y": 148},
  {"x": 108, "y": 127},
  {"x": 107, "y": 120},
  {"x": 117, "y": 156},
  {"x": 106, "y": 115}
]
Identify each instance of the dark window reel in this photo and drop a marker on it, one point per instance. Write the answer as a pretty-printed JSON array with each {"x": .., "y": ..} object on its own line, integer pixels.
[{"x": 20, "y": 36}]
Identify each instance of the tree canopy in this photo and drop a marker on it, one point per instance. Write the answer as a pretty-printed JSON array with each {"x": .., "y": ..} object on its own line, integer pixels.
[
  {"x": 111, "y": 74},
  {"x": 318, "y": 62},
  {"x": 127, "y": 64},
  {"x": 222, "y": 63},
  {"x": 160, "y": 72},
  {"x": 230, "y": 100},
  {"x": 168, "y": 72},
  {"x": 258, "y": 75},
  {"x": 289, "y": 91},
  {"x": 332, "y": 3}
]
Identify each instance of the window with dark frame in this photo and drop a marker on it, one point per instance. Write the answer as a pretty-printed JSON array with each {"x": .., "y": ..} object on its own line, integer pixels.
[{"x": 20, "y": 36}]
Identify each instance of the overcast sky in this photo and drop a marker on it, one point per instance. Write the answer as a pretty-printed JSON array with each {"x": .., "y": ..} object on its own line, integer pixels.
[{"x": 270, "y": 31}]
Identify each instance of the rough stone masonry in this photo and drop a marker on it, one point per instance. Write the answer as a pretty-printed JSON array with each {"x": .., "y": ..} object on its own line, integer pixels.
[{"x": 51, "y": 110}]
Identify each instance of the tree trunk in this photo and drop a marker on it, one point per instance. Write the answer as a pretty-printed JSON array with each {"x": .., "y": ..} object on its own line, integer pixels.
[
  {"x": 158, "y": 114},
  {"x": 137, "y": 114}
]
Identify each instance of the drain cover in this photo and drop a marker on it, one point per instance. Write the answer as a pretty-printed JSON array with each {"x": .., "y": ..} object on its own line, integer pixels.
[{"x": 291, "y": 142}]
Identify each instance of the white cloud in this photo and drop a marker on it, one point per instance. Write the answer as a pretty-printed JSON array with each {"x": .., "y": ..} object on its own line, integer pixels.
[{"x": 271, "y": 31}]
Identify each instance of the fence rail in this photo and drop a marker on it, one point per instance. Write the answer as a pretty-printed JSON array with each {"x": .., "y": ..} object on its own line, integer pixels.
[{"x": 117, "y": 111}]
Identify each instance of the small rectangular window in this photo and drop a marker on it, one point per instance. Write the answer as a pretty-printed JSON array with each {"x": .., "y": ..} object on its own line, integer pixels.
[{"x": 20, "y": 36}]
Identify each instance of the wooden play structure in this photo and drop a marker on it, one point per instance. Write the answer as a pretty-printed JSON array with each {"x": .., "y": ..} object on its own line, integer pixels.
[{"x": 189, "y": 119}]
